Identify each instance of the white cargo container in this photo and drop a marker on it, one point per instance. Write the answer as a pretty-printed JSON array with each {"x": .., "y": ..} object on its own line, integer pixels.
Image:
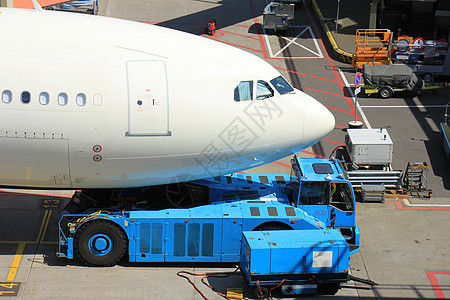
[{"x": 369, "y": 146}]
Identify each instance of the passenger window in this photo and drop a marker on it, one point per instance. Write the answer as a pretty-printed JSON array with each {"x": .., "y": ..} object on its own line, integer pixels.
[
  {"x": 281, "y": 85},
  {"x": 44, "y": 98},
  {"x": 244, "y": 91},
  {"x": 62, "y": 99},
  {"x": 7, "y": 96},
  {"x": 81, "y": 99},
  {"x": 263, "y": 90},
  {"x": 25, "y": 98}
]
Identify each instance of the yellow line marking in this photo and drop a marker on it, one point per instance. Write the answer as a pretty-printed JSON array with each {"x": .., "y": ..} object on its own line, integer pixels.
[
  {"x": 17, "y": 242},
  {"x": 328, "y": 32},
  {"x": 41, "y": 234},
  {"x": 16, "y": 262},
  {"x": 46, "y": 225},
  {"x": 5, "y": 292},
  {"x": 42, "y": 226},
  {"x": 40, "y": 239},
  {"x": 8, "y": 285}
]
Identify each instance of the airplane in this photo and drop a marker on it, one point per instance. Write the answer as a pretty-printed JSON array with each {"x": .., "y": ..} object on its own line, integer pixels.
[{"x": 90, "y": 102}]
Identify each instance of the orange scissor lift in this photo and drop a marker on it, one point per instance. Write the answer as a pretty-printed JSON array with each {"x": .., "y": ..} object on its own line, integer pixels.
[{"x": 372, "y": 46}]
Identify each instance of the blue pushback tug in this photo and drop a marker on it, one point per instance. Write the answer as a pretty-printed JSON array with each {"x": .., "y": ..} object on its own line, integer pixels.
[{"x": 299, "y": 229}]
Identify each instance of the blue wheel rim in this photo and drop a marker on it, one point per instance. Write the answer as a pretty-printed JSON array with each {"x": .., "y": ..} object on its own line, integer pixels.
[{"x": 100, "y": 244}]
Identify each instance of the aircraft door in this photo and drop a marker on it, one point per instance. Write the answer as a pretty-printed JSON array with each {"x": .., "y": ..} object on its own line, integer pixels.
[{"x": 148, "y": 106}]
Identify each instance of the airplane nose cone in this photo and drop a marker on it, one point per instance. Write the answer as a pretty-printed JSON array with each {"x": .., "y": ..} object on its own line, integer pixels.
[{"x": 317, "y": 123}]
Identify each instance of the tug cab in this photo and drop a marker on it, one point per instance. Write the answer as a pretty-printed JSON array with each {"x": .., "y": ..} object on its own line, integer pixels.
[{"x": 320, "y": 188}]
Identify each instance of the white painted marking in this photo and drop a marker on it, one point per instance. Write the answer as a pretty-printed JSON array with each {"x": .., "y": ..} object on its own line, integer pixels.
[
  {"x": 361, "y": 112},
  {"x": 425, "y": 205},
  {"x": 290, "y": 42},
  {"x": 269, "y": 48},
  {"x": 317, "y": 52}
]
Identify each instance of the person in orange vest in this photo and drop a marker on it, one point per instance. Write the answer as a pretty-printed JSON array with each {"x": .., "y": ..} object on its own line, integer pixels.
[
  {"x": 333, "y": 190},
  {"x": 211, "y": 29}
]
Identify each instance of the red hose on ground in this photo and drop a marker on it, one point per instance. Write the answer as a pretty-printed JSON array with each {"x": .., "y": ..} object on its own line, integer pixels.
[{"x": 206, "y": 275}]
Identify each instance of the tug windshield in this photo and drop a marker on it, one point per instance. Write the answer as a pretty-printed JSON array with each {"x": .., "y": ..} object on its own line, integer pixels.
[
  {"x": 314, "y": 193},
  {"x": 281, "y": 85}
]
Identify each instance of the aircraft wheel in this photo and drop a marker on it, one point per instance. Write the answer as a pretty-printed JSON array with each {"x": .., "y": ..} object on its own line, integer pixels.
[
  {"x": 100, "y": 243},
  {"x": 184, "y": 194},
  {"x": 385, "y": 92}
]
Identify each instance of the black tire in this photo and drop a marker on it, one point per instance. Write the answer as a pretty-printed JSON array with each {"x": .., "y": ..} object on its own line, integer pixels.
[
  {"x": 385, "y": 92},
  {"x": 107, "y": 233},
  {"x": 329, "y": 288},
  {"x": 427, "y": 77},
  {"x": 272, "y": 225},
  {"x": 264, "y": 293}
]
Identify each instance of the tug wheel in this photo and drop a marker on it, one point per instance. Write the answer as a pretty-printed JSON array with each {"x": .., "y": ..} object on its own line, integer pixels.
[
  {"x": 100, "y": 243},
  {"x": 263, "y": 294},
  {"x": 329, "y": 288}
]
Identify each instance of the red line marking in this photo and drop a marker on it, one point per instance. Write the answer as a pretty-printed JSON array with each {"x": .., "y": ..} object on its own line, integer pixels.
[
  {"x": 345, "y": 111},
  {"x": 435, "y": 284},
  {"x": 334, "y": 142},
  {"x": 339, "y": 95},
  {"x": 306, "y": 74},
  {"x": 216, "y": 35},
  {"x": 235, "y": 45},
  {"x": 307, "y": 152},
  {"x": 255, "y": 20},
  {"x": 330, "y": 61},
  {"x": 245, "y": 36},
  {"x": 336, "y": 125},
  {"x": 298, "y": 58},
  {"x": 186, "y": 23},
  {"x": 245, "y": 26},
  {"x": 281, "y": 164},
  {"x": 400, "y": 206}
]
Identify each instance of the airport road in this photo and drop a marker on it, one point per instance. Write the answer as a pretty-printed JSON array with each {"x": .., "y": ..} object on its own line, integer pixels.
[{"x": 405, "y": 246}]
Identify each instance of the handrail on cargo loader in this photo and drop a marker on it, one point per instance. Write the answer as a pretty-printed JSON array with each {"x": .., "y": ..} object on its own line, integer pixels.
[{"x": 372, "y": 46}]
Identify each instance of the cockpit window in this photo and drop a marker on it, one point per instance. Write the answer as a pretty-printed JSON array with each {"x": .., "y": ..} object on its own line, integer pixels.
[
  {"x": 244, "y": 91},
  {"x": 281, "y": 85},
  {"x": 263, "y": 90}
]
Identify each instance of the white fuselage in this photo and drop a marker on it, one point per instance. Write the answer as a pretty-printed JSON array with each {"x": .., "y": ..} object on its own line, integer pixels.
[{"x": 132, "y": 104}]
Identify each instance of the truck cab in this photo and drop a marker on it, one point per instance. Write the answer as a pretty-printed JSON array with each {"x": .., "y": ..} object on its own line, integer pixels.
[{"x": 319, "y": 187}]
